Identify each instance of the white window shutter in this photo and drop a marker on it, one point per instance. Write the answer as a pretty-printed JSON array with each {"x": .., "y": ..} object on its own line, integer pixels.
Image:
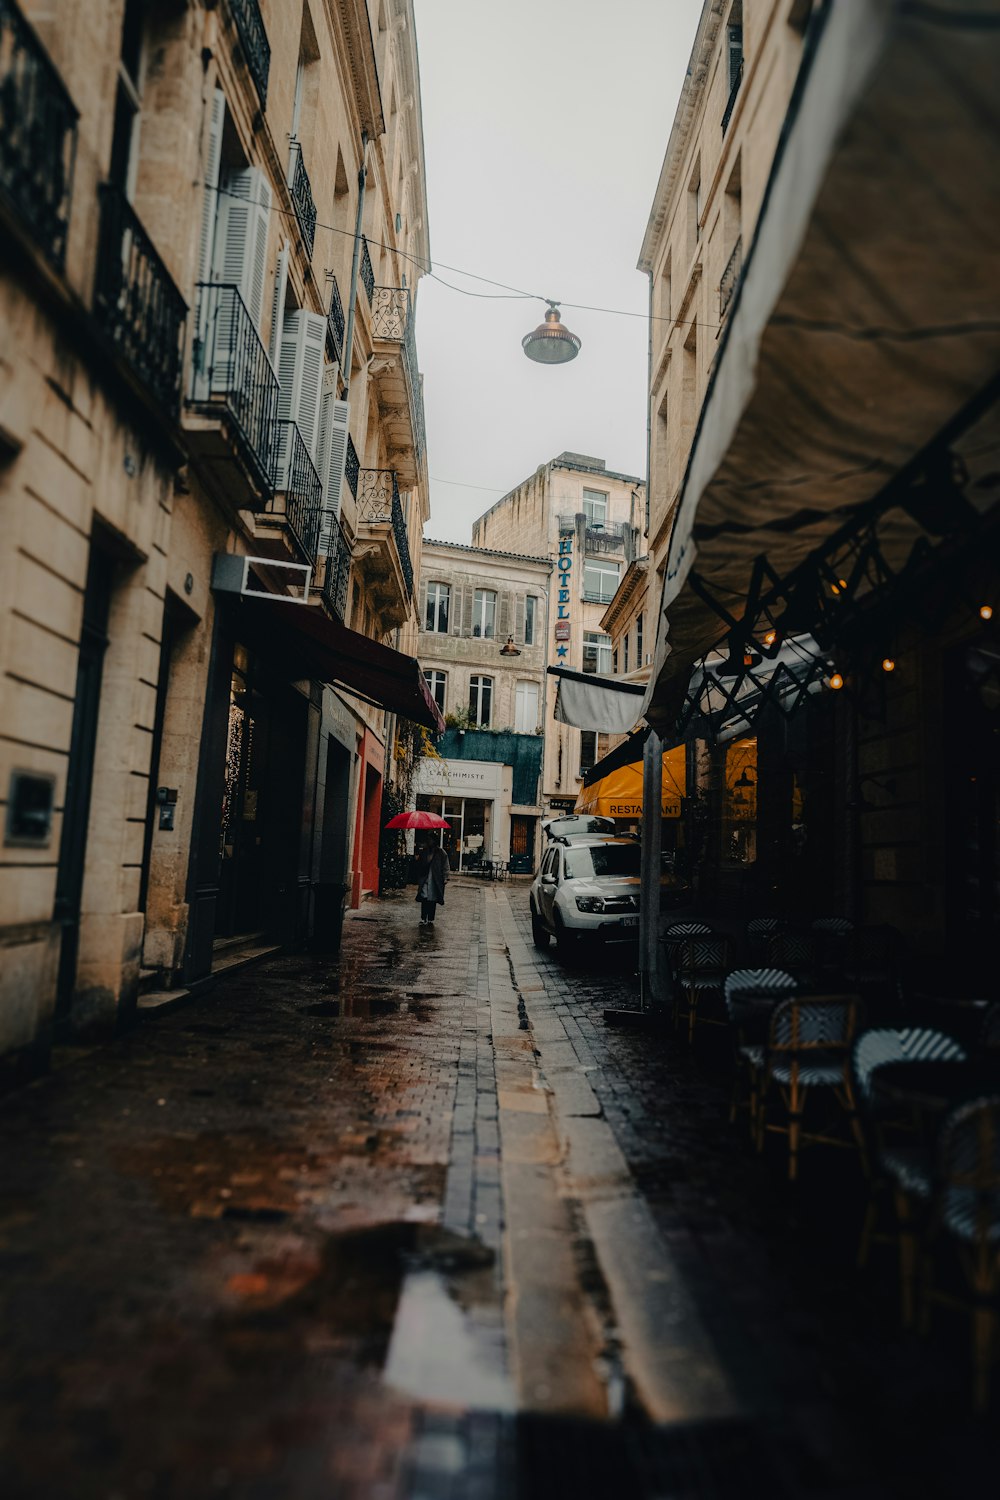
[
  {"x": 210, "y": 179},
  {"x": 519, "y": 618},
  {"x": 335, "y": 416},
  {"x": 241, "y": 237},
  {"x": 300, "y": 373}
]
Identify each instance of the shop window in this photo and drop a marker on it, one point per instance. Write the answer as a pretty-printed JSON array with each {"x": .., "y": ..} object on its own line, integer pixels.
[
  {"x": 481, "y": 701},
  {"x": 438, "y": 608},
  {"x": 739, "y": 821}
]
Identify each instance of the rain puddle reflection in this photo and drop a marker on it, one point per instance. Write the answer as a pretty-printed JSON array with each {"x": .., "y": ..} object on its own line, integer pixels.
[{"x": 434, "y": 1354}]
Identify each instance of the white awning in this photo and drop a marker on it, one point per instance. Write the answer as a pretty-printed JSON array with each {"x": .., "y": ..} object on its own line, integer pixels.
[
  {"x": 589, "y": 701},
  {"x": 867, "y": 314}
]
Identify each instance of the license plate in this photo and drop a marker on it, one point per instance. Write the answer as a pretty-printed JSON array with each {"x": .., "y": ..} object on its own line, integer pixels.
[{"x": 628, "y": 921}]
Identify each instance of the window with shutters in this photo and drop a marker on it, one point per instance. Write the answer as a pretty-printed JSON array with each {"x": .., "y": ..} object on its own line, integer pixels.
[
  {"x": 438, "y": 606},
  {"x": 300, "y": 374},
  {"x": 588, "y": 750},
  {"x": 530, "y": 614},
  {"x": 526, "y": 708},
  {"x": 638, "y": 640},
  {"x": 597, "y": 652},
  {"x": 241, "y": 229},
  {"x": 600, "y": 581},
  {"x": 437, "y": 682},
  {"x": 484, "y": 614},
  {"x": 481, "y": 701}
]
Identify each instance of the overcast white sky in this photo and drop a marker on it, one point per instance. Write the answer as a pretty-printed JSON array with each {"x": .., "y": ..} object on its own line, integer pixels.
[{"x": 545, "y": 124}]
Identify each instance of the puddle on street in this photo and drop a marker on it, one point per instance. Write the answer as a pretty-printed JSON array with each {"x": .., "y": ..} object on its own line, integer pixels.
[{"x": 434, "y": 1355}]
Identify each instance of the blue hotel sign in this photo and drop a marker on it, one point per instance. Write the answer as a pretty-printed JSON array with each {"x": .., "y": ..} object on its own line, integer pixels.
[{"x": 564, "y": 568}]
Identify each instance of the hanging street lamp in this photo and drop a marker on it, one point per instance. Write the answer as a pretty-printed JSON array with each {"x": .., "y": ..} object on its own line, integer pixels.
[
  {"x": 509, "y": 649},
  {"x": 550, "y": 343}
]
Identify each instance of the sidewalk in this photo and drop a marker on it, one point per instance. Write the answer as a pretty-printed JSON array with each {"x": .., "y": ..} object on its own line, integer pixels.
[{"x": 413, "y": 1224}]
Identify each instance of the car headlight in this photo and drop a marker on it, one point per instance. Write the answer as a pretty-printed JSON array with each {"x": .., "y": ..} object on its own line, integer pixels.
[{"x": 590, "y": 903}]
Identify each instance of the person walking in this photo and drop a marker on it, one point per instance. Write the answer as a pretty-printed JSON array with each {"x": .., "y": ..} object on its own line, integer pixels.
[{"x": 432, "y": 875}]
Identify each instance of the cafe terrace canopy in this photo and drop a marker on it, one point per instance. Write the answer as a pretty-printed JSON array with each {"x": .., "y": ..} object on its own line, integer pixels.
[
  {"x": 618, "y": 793},
  {"x": 865, "y": 325}
]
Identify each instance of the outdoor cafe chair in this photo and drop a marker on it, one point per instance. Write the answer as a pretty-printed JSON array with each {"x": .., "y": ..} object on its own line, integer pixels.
[
  {"x": 795, "y": 952},
  {"x": 699, "y": 971},
  {"x": 750, "y": 996},
  {"x": 966, "y": 1216},
  {"x": 759, "y": 932},
  {"x": 806, "y": 1050},
  {"x": 897, "y": 1163}
]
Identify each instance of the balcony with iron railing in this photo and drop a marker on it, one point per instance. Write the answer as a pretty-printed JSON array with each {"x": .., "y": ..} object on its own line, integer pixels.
[
  {"x": 730, "y": 277},
  {"x": 338, "y": 569},
  {"x": 254, "y": 42},
  {"x": 383, "y": 554},
  {"x": 233, "y": 399},
  {"x": 731, "y": 101},
  {"x": 137, "y": 303},
  {"x": 37, "y": 135},
  {"x": 335, "y": 323},
  {"x": 599, "y": 536},
  {"x": 302, "y": 199},
  {"x": 397, "y": 380},
  {"x": 298, "y": 498}
]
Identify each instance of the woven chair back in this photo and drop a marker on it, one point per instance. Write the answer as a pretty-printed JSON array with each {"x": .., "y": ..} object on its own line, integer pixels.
[
  {"x": 890, "y": 1044},
  {"x": 681, "y": 930},
  {"x": 703, "y": 955},
  {"x": 969, "y": 1171},
  {"x": 791, "y": 950},
  {"x": 813, "y": 1023}
]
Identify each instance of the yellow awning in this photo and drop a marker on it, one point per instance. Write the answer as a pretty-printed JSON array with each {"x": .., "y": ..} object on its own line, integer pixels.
[{"x": 619, "y": 794}]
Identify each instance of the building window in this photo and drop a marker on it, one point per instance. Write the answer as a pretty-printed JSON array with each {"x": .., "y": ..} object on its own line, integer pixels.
[
  {"x": 588, "y": 750},
  {"x": 438, "y": 605},
  {"x": 625, "y": 652},
  {"x": 481, "y": 701},
  {"x": 526, "y": 708},
  {"x": 600, "y": 581},
  {"x": 437, "y": 682},
  {"x": 530, "y": 610},
  {"x": 595, "y": 508},
  {"x": 484, "y": 615},
  {"x": 638, "y": 640},
  {"x": 597, "y": 652}
]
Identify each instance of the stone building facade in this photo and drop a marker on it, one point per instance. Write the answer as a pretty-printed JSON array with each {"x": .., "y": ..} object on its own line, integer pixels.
[
  {"x": 586, "y": 518},
  {"x": 199, "y": 428}
]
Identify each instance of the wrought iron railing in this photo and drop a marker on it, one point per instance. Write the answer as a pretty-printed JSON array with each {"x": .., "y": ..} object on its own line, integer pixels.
[
  {"x": 402, "y": 540},
  {"x": 231, "y": 370},
  {"x": 37, "y": 135},
  {"x": 296, "y": 477},
  {"x": 253, "y": 38},
  {"x": 338, "y": 569},
  {"x": 731, "y": 102},
  {"x": 136, "y": 301},
  {"x": 367, "y": 272},
  {"x": 302, "y": 200},
  {"x": 730, "y": 276},
  {"x": 392, "y": 319},
  {"x": 379, "y": 505},
  {"x": 599, "y": 596},
  {"x": 611, "y": 531},
  {"x": 352, "y": 467},
  {"x": 335, "y": 323}
]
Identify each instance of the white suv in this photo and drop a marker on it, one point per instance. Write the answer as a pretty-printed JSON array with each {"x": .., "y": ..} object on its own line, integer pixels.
[{"x": 587, "y": 888}]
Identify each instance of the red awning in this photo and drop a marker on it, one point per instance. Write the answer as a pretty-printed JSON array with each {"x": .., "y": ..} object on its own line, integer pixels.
[{"x": 313, "y": 644}]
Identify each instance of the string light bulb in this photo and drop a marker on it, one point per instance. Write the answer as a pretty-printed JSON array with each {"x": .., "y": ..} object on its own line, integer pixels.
[
  {"x": 888, "y": 664},
  {"x": 986, "y": 611},
  {"x": 836, "y": 681},
  {"x": 770, "y": 638}
]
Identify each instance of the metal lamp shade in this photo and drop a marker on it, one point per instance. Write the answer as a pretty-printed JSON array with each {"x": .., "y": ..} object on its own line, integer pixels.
[{"x": 550, "y": 343}]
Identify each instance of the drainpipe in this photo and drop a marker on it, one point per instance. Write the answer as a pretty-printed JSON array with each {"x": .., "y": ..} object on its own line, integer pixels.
[{"x": 355, "y": 266}]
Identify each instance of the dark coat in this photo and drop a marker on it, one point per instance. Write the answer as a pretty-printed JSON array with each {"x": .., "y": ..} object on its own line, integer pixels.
[{"x": 432, "y": 874}]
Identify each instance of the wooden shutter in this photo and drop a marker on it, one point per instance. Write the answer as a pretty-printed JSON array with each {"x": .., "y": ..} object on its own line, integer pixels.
[
  {"x": 422, "y": 608},
  {"x": 278, "y": 305},
  {"x": 334, "y": 418},
  {"x": 241, "y": 237},
  {"x": 519, "y": 619},
  {"x": 468, "y": 598},
  {"x": 210, "y": 179},
  {"x": 503, "y": 615}
]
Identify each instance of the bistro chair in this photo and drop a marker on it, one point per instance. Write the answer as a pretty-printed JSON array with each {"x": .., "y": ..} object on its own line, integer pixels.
[
  {"x": 680, "y": 930},
  {"x": 759, "y": 932},
  {"x": 699, "y": 972},
  {"x": 750, "y": 996},
  {"x": 897, "y": 1164},
  {"x": 795, "y": 953},
  {"x": 966, "y": 1214},
  {"x": 807, "y": 1049}
]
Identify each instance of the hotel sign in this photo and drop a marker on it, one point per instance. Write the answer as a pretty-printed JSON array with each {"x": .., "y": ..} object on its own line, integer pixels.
[{"x": 564, "y": 569}]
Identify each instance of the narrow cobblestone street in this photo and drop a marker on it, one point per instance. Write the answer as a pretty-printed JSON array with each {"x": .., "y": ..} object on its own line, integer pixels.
[{"x": 415, "y": 1222}]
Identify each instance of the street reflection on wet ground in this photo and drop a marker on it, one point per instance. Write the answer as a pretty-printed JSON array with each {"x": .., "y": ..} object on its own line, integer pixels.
[{"x": 261, "y": 1248}]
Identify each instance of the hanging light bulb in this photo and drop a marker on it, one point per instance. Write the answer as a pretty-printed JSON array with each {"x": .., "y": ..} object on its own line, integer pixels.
[
  {"x": 770, "y": 638},
  {"x": 986, "y": 611},
  {"x": 550, "y": 343},
  {"x": 888, "y": 664},
  {"x": 836, "y": 681}
]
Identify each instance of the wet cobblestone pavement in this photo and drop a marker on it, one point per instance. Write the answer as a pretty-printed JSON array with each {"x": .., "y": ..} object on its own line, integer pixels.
[{"x": 415, "y": 1223}]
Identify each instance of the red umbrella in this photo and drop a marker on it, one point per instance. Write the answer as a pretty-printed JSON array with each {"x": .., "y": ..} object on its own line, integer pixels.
[{"x": 417, "y": 820}]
